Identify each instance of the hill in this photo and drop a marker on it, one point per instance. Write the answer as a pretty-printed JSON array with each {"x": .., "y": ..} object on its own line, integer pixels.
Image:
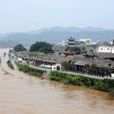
[{"x": 55, "y": 35}]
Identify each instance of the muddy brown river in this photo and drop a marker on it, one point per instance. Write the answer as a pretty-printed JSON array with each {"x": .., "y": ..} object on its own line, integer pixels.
[{"x": 24, "y": 94}]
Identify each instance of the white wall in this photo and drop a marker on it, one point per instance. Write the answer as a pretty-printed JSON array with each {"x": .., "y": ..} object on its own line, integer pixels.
[
  {"x": 87, "y": 41},
  {"x": 112, "y": 49},
  {"x": 105, "y": 49},
  {"x": 112, "y": 75}
]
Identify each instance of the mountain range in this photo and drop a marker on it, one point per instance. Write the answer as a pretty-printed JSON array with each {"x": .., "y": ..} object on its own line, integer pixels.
[{"x": 55, "y": 35}]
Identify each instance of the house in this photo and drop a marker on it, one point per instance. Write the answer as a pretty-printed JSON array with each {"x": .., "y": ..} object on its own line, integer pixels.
[
  {"x": 37, "y": 62},
  {"x": 105, "y": 47},
  {"x": 88, "y": 41}
]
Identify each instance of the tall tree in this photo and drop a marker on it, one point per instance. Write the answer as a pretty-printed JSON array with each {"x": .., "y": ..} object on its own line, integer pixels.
[
  {"x": 42, "y": 47},
  {"x": 19, "y": 48}
]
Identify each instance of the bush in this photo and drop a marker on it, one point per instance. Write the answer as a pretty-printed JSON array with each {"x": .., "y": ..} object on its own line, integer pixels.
[
  {"x": 29, "y": 70},
  {"x": 68, "y": 65},
  {"x": 98, "y": 84},
  {"x": 9, "y": 63}
]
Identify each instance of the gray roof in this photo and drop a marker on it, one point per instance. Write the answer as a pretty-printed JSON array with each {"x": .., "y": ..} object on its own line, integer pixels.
[
  {"x": 71, "y": 38},
  {"x": 104, "y": 63},
  {"x": 103, "y": 44},
  {"x": 82, "y": 63},
  {"x": 105, "y": 55}
]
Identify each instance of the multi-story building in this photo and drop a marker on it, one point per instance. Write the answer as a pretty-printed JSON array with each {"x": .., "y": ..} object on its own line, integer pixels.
[
  {"x": 105, "y": 48},
  {"x": 71, "y": 42}
]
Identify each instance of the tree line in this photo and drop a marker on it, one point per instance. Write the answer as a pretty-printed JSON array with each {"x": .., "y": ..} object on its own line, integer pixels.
[
  {"x": 92, "y": 69},
  {"x": 36, "y": 47}
]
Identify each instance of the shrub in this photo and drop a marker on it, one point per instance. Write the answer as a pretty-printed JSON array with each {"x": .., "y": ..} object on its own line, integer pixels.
[
  {"x": 98, "y": 84},
  {"x": 9, "y": 63},
  {"x": 29, "y": 70}
]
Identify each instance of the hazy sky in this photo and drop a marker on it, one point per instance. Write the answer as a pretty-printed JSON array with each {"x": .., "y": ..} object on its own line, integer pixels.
[{"x": 26, "y": 15}]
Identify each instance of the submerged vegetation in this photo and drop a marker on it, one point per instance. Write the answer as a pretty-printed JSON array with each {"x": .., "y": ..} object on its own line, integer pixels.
[
  {"x": 78, "y": 80},
  {"x": 29, "y": 70},
  {"x": 9, "y": 63}
]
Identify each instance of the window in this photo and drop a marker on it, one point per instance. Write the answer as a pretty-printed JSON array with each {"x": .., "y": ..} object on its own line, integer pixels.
[{"x": 101, "y": 48}]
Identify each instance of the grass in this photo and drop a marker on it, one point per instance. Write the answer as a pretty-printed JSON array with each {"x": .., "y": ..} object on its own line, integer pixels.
[
  {"x": 78, "y": 80},
  {"x": 106, "y": 84},
  {"x": 29, "y": 70}
]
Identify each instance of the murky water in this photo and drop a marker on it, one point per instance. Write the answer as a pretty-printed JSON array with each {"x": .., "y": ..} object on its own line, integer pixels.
[{"x": 23, "y": 94}]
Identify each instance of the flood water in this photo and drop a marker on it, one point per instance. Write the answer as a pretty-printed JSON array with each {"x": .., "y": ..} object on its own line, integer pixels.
[{"x": 24, "y": 94}]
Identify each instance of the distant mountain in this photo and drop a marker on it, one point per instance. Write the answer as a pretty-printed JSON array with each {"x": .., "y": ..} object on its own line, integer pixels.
[{"x": 55, "y": 35}]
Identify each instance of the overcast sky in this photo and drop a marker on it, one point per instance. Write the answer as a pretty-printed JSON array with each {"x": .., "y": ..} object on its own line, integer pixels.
[{"x": 27, "y": 15}]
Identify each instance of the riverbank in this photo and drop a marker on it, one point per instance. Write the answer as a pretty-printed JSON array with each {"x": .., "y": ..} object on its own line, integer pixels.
[
  {"x": 102, "y": 84},
  {"x": 31, "y": 71},
  {"x": 106, "y": 84},
  {"x": 25, "y": 94}
]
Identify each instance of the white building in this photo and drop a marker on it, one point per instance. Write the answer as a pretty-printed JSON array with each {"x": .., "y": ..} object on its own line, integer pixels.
[
  {"x": 105, "y": 49},
  {"x": 52, "y": 67},
  {"x": 86, "y": 41}
]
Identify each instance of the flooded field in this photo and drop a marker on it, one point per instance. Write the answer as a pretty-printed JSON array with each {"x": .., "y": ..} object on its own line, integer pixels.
[{"x": 24, "y": 94}]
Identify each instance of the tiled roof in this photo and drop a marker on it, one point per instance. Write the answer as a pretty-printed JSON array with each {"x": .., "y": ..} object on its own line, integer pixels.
[{"x": 105, "y": 55}]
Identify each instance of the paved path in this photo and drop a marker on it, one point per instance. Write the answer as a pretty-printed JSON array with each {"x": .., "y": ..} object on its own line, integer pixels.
[{"x": 84, "y": 75}]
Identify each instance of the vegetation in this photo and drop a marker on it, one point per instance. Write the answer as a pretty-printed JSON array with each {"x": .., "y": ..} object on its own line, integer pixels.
[
  {"x": 41, "y": 47},
  {"x": 29, "y": 70},
  {"x": 69, "y": 66},
  {"x": 36, "y": 54},
  {"x": 77, "y": 50},
  {"x": 92, "y": 69},
  {"x": 98, "y": 84},
  {"x": 98, "y": 70},
  {"x": 80, "y": 50},
  {"x": 9, "y": 63},
  {"x": 19, "y": 48}
]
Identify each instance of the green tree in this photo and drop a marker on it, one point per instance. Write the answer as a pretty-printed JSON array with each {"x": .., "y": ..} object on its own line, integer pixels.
[
  {"x": 19, "y": 48},
  {"x": 68, "y": 65},
  {"x": 77, "y": 50},
  {"x": 41, "y": 47}
]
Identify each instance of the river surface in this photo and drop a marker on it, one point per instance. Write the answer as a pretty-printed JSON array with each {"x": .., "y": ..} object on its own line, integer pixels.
[{"x": 24, "y": 94}]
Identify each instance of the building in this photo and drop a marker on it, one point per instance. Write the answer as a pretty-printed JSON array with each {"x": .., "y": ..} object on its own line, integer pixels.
[
  {"x": 52, "y": 67},
  {"x": 71, "y": 42},
  {"x": 105, "y": 47},
  {"x": 86, "y": 41}
]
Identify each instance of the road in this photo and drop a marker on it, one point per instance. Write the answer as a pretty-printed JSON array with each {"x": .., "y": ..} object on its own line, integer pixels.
[{"x": 74, "y": 73}]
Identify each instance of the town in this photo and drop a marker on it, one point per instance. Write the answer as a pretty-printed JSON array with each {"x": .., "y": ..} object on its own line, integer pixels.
[
  {"x": 83, "y": 56},
  {"x": 56, "y": 57}
]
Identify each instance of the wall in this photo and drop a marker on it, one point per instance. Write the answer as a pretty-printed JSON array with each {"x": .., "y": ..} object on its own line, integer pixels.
[{"x": 105, "y": 49}]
